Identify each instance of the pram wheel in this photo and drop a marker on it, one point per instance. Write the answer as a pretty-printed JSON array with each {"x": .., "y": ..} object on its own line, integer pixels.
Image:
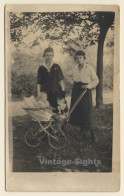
[
  {"x": 32, "y": 139},
  {"x": 56, "y": 139},
  {"x": 41, "y": 133}
]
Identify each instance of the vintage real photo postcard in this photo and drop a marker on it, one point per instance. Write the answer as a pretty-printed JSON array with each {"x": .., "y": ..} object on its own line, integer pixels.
[{"x": 62, "y": 97}]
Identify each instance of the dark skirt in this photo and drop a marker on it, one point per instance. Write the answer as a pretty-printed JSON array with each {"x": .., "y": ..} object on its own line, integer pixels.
[{"x": 82, "y": 114}]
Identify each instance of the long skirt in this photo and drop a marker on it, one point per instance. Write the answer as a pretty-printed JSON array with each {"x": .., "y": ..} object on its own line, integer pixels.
[{"x": 82, "y": 114}]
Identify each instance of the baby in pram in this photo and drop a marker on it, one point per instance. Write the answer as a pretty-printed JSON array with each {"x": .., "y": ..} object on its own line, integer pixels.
[
  {"x": 61, "y": 104},
  {"x": 46, "y": 111},
  {"x": 62, "y": 110}
]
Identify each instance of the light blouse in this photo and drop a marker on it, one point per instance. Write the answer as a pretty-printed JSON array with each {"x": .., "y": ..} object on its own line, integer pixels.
[{"x": 86, "y": 75}]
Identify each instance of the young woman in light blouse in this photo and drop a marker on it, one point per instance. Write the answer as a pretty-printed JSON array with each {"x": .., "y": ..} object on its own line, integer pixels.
[{"x": 84, "y": 78}]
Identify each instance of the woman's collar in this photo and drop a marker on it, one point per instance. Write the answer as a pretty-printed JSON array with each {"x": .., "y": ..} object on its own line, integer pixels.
[
  {"x": 45, "y": 65},
  {"x": 85, "y": 65}
]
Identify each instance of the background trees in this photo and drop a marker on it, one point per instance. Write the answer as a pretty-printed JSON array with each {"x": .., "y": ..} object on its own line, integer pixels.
[
  {"x": 105, "y": 20},
  {"x": 73, "y": 30}
]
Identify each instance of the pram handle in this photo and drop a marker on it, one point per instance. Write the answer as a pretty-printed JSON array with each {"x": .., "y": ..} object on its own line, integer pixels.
[{"x": 76, "y": 103}]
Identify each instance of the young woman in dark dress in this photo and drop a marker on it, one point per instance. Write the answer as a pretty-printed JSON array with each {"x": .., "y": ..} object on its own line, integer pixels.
[
  {"x": 84, "y": 78},
  {"x": 50, "y": 79}
]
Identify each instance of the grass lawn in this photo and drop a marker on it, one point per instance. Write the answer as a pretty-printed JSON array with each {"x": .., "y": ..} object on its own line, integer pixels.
[{"x": 27, "y": 159}]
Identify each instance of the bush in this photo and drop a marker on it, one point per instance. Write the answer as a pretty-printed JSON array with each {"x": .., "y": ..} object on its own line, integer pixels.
[
  {"x": 23, "y": 84},
  {"x": 108, "y": 77}
]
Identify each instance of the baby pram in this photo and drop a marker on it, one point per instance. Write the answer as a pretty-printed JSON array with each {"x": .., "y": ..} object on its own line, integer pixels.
[
  {"x": 56, "y": 136},
  {"x": 47, "y": 127}
]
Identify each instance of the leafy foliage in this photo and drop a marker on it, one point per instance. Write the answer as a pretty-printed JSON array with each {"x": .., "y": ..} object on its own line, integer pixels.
[
  {"x": 23, "y": 84},
  {"x": 108, "y": 78},
  {"x": 70, "y": 28},
  {"x": 54, "y": 26}
]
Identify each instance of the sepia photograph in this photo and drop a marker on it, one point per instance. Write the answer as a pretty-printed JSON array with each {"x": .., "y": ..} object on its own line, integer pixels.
[{"x": 60, "y": 83}]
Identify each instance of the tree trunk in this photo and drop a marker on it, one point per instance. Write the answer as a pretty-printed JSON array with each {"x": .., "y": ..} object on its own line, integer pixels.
[{"x": 99, "y": 88}]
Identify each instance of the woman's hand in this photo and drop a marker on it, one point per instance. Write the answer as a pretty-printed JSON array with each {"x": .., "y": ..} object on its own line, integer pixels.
[
  {"x": 84, "y": 86},
  {"x": 62, "y": 94}
]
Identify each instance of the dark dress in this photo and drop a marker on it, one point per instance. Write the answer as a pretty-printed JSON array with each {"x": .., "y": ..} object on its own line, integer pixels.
[
  {"x": 49, "y": 82},
  {"x": 82, "y": 114}
]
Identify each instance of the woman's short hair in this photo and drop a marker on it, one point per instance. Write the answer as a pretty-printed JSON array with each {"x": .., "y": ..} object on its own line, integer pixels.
[
  {"x": 49, "y": 49},
  {"x": 80, "y": 53}
]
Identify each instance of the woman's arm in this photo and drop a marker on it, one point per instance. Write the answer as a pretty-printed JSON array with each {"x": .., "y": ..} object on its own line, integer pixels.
[
  {"x": 93, "y": 79},
  {"x": 61, "y": 82},
  {"x": 39, "y": 81},
  {"x": 62, "y": 85}
]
